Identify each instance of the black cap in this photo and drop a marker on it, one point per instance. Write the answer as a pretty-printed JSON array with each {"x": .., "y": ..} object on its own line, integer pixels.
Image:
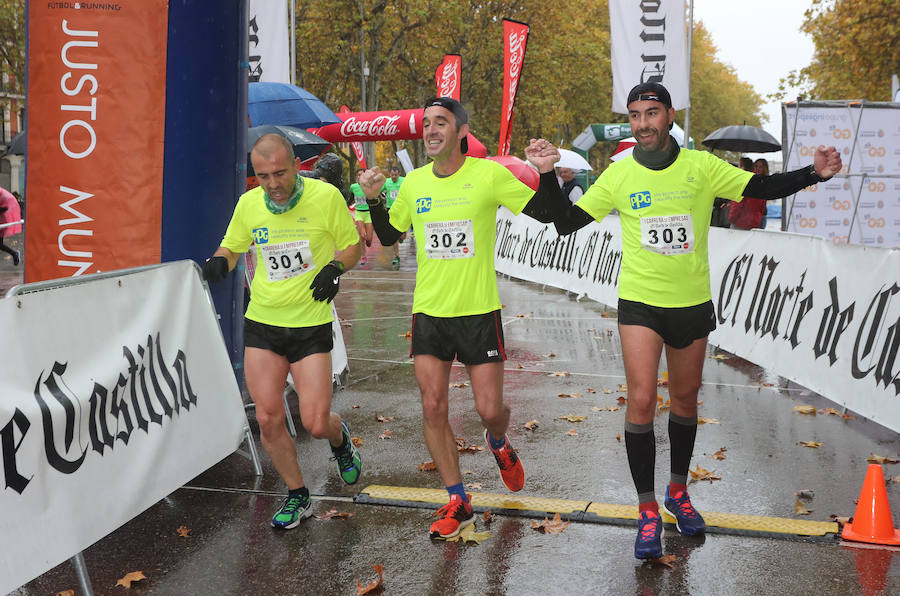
[
  {"x": 649, "y": 92},
  {"x": 459, "y": 113}
]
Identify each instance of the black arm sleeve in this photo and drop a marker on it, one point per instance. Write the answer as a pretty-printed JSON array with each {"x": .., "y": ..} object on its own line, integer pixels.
[
  {"x": 550, "y": 204},
  {"x": 387, "y": 234},
  {"x": 778, "y": 186}
]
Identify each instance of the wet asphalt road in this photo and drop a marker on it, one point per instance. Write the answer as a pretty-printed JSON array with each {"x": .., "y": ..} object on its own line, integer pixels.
[{"x": 233, "y": 550}]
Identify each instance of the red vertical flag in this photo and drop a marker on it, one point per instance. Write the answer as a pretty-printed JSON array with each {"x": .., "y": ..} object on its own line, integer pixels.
[
  {"x": 356, "y": 145},
  {"x": 448, "y": 75},
  {"x": 515, "y": 36}
]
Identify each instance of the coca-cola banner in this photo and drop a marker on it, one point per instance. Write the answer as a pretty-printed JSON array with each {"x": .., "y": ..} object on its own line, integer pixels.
[
  {"x": 391, "y": 125},
  {"x": 448, "y": 75},
  {"x": 827, "y": 321},
  {"x": 515, "y": 36},
  {"x": 356, "y": 145},
  {"x": 648, "y": 44}
]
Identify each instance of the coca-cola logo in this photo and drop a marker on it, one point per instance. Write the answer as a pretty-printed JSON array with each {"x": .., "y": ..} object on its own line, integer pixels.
[
  {"x": 380, "y": 126},
  {"x": 516, "y": 52},
  {"x": 448, "y": 80}
]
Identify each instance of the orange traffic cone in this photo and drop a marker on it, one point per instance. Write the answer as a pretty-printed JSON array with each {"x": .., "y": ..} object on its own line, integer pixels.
[{"x": 872, "y": 522}]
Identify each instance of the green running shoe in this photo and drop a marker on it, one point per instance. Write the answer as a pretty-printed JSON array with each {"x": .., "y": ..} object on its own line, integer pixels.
[
  {"x": 293, "y": 511},
  {"x": 348, "y": 459}
]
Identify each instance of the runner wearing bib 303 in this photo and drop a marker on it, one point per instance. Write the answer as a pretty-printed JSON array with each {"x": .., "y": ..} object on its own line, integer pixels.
[{"x": 665, "y": 196}]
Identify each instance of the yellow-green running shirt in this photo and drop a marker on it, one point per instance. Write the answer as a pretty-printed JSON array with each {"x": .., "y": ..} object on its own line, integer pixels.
[
  {"x": 455, "y": 224},
  {"x": 665, "y": 223},
  {"x": 290, "y": 249}
]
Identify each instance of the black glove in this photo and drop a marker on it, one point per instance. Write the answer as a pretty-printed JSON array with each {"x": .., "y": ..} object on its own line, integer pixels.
[
  {"x": 215, "y": 269},
  {"x": 326, "y": 283}
]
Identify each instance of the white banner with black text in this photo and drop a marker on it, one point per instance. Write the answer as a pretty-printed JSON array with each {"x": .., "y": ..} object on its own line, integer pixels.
[
  {"x": 824, "y": 316},
  {"x": 116, "y": 392},
  {"x": 270, "y": 58}
]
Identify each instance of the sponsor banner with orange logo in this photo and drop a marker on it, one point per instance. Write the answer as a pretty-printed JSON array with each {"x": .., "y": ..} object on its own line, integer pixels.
[
  {"x": 823, "y": 316},
  {"x": 96, "y": 123},
  {"x": 515, "y": 39},
  {"x": 863, "y": 205},
  {"x": 448, "y": 77}
]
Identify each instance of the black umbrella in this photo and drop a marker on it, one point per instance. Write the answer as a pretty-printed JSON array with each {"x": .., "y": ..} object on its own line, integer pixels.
[
  {"x": 745, "y": 139},
  {"x": 306, "y": 144},
  {"x": 16, "y": 145}
]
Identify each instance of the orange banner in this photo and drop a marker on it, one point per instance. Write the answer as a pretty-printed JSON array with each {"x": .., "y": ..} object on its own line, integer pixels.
[
  {"x": 515, "y": 38},
  {"x": 96, "y": 126}
]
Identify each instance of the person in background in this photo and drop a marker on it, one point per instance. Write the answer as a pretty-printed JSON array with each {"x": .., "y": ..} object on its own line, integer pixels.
[
  {"x": 10, "y": 213},
  {"x": 391, "y": 188},
  {"x": 761, "y": 167},
  {"x": 750, "y": 212},
  {"x": 570, "y": 186},
  {"x": 362, "y": 217}
]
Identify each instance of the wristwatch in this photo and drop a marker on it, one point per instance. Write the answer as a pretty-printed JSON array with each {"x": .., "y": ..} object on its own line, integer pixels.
[
  {"x": 815, "y": 176},
  {"x": 338, "y": 264},
  {"x": 373, "y": 202}
]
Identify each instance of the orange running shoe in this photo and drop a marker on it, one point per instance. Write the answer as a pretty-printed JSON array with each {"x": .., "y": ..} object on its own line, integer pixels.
[
  {"x": 457, "y": 514},
  {"x": 511, "y": 470}
]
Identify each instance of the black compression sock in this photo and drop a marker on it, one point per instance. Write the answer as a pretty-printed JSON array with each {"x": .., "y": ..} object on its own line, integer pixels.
[
  {"x": 682, "y": 434},
  {"x": 640, "y": 444}
]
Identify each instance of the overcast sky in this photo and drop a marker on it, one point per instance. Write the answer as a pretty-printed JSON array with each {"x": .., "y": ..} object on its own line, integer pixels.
[{"x": 762, "y": 41}]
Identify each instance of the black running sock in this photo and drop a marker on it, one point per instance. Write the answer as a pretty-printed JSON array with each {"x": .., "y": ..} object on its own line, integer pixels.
[
  {"x": 301, "y": 492},
  {"x": 640, "y": 444},
  {"x": 682, "y": 434}
]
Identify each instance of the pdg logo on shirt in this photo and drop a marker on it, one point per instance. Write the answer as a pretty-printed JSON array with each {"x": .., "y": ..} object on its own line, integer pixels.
[
  {"x": 640, "y": 199},
  {"x": 260, "y": 235},
  {"x": 423, "y": 204}
]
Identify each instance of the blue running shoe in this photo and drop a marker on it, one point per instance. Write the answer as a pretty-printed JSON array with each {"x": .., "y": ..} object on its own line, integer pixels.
[
  {"x": 649, "y": 539},
  {"x": 688, "y": 520},
  {"x": 348, "y": 459},
  {"x": 293, "y": 511}
]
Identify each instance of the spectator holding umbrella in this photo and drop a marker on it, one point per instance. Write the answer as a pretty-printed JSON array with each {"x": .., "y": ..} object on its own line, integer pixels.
[{"x": 10, "y": 213}]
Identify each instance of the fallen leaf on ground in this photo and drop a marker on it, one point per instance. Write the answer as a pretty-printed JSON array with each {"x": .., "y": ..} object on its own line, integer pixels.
[
  {"x": 621, "y": 399},
  {"x": 619, "y": 437},
  {"x": 487, "y": 517},
  {"x": 607, "y": 391},
  {"x": 720, "y": 454},
  {"x": 372, "y": 585},
  {"x": 572, "y": 433},
  {"x": 605, "y": 409},
  {"x": 550, "y": 355},
  {"x": 386, "y": 434},
  {"x": 568, "y": 395},
  {"x": 560, "y": 373},
  {"x": 357, "y": 442},
  {"x": 467, "y": 472},
  {"x": 355, "y": 407},
  {"x": 830, "y": 412},
  {"x": 704, "y": 420},
  {"x": 666, "y": 560},
  {"x": 799, "y": 509},
  {"x": 804, "y": 410},
  {"x": 468, "y": 534},
  {"x": 572, "y": 418},
  {"x": 66, "y": 593},
  {"x": 609, "y": 332},
  {"x": 767, "y": 384},
  {"x": 407, "y": 335},
  {"x": 703, "y": 474},
  {"x": 519, "y": 365},
  {"x": 334, "y": 514},
  {"x": 721, "y": 357},
  {"x": 459, "y": 385},
  {"x": 528, "y": 316},
  {"x": 470, "y": 449},
  {"x": 589, "y": 390},
  {"x": 811, "y": 444},
  {"x": 381, "y": 418},
  {"x": 531, "y": 424},
  {"x": 427, "y": 466},
  {"x": 553, "y": 526},
  {"x": 882, "y": 459},
  {"x": 623, "y": 387},
  {"x": 183, "y": 531},
  {"x": 841, "y": 521},
  {"x": 129, "y": 578},
  {"x": 805, "y": 493},
  {"x": 474, "y": 485},
  {"x": 848, "y": 416}
]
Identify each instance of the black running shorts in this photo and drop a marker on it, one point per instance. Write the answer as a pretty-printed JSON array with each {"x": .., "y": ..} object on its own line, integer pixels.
[
  {"x": 473, "y": 339},
  {"x": 678, "y": 327},
  {"x": 294, "y": 343}
]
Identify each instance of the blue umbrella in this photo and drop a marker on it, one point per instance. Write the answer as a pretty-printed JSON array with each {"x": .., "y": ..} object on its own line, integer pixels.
[{"x": 288, "y": 105}]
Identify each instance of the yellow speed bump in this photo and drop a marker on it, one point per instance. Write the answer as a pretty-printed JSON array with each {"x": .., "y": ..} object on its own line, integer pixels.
[{"x": 588, "y": 511}]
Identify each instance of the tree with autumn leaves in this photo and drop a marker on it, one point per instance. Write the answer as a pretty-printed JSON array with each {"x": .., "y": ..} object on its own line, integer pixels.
[{"x": 857, "y": 49}]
